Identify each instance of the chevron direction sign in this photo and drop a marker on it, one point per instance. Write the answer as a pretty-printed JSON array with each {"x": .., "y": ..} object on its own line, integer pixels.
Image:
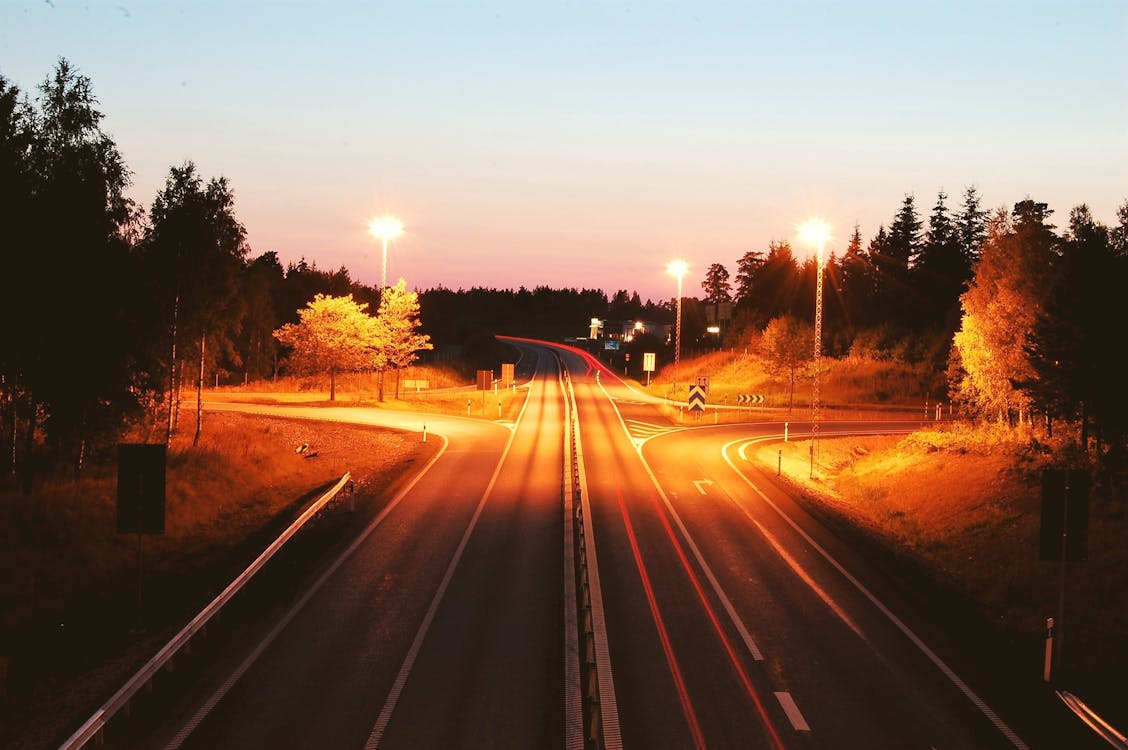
[
  {"x": 748, "y": 398},
  {"x": 696, "y": 398}
]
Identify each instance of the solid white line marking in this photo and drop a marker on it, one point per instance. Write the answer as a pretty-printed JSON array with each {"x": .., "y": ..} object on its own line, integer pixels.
[
  {"x": 416, "y": 645},
  {"x": 216, "y": 697},
  {"x": 726, "y": 603},
  {"x": 955, "y": 679},
  {"x": 792, "y": 711}
]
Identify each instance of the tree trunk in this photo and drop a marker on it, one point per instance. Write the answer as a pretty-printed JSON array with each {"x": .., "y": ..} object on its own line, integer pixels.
[
  {"x": 397, "y": 384},
  {"x": 172, "y": 375},
  {"x": 332, "y": 384},
  {"x": 179, "y": 386},
  {"x": 14, "y": 431},
  {"x": 28, "y": 469},
  {"x": 380, "y": 385},
  {"x": 791, "y": 392},
  {"x": 200, "y": 394},
  {"x": 1084, "y": 426}
]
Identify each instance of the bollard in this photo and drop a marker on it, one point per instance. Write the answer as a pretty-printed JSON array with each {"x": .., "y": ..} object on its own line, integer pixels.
[
  {"x": 424, "y": 432},
  {"x": 786, "y": 425},
  {"x": 779, "y": 462}
]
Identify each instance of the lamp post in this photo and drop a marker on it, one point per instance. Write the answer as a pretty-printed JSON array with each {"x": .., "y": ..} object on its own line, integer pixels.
[
  {"x": 677, "y": 269},
  {"x": 385, "y": 228},
  {"x": 816, "y": 232}
]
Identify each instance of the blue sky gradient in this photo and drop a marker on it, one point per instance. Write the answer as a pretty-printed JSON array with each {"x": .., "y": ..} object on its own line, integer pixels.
[{"x": 586, "y": 143}]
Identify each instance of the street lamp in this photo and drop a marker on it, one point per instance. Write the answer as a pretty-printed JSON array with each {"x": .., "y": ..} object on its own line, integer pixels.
[
  {"x": 385, "y": 228},
  {"x": 677, "y": 269},
  {"x": 816, "y": 232}
]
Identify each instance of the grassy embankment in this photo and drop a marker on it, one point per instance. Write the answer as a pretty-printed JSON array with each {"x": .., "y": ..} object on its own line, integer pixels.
[
  {"x": 68, "y": 581},
  {"x": 962, "y": 501},
  {"x": 849, "y": 389}
]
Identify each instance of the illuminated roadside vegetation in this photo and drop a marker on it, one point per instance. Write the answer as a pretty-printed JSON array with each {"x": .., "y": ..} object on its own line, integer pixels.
[
  {"x": 848, "y": 384},
  {"x": 963, "y": 503},
  {"x": 68, "y": 581}
]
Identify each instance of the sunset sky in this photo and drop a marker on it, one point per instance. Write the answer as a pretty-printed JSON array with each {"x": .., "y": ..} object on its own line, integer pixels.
[{"x": 586, "y": 143}]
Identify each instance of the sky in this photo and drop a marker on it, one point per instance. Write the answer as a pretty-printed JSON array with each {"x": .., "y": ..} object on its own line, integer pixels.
[{"x": 585, "y": 144}]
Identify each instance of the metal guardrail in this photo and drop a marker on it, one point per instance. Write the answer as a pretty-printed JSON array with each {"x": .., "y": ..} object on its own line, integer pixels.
[
  {"x": 1103, "y": 729},
  {"x": 94, "y": 726}
]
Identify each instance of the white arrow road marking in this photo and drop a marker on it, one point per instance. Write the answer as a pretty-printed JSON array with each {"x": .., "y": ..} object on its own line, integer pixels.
[{"x": 701, "y": 484}]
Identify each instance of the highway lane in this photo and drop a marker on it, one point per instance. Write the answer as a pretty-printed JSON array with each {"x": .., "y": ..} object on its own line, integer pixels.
[
  {"x": 678, "y": 684},
  {"x": 440, "y": 627},
  {"x": 851, "y": 673},
  {"x": 727, "y": 626},
  {"x": 733, "y": 618},
  {"x": 491, "y": 669}
]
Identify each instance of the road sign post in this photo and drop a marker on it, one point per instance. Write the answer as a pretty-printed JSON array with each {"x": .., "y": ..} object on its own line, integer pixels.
[
  {"x": 141, "y": 496},
  {"x": 648, "y": 365},
  {"x": 1063, "y": 537}
]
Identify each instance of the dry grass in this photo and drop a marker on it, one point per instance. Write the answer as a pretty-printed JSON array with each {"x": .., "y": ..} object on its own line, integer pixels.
[
  {"x": 60, "y": 554},
  {"x": 854, "y": 384},
  {"x": 448, "y": 392},
  {"x": 966, "y": 502}
]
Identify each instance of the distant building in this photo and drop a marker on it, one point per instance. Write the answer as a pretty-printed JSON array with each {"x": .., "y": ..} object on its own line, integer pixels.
[{"x": 626, "y": 330}]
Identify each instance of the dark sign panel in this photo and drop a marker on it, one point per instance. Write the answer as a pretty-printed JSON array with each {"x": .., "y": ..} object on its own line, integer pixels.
[
  {"x": 141, "y": 488},
  {"x": 1065, "y": 510}
]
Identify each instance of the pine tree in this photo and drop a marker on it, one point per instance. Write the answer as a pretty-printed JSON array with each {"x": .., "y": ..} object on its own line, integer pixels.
[
  {"x": 941, "y": 271},
  {"x": 716, "y": 284},
  {"x": 747, "y": 268},
  {"x": 857, "y": 281},
  {"x": 971, "y": 226},
  {"x": 904, "y": 235},
  {"x": 1076, "y": 374}
]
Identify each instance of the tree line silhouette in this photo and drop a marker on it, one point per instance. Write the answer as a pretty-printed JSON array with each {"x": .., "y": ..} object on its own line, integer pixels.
[{"x": 110, "y": 306}]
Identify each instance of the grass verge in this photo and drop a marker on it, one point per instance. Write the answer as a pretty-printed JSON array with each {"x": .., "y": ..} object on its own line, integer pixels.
[
  {"x": 72, "y": 627},
  {"x": 965, "y": 504}
]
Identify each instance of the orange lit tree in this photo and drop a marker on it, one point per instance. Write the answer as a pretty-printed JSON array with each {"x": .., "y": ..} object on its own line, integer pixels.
[
  {"x": 1000, "y": 310},
  {"x": 334, "y": 334}
]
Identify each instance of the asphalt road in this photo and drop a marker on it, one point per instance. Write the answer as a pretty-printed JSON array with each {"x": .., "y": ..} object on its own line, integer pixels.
[{"x": 734, "y": 619}]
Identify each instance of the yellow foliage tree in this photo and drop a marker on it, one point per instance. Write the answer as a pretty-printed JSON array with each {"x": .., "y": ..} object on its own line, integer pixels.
[
  {"x": 1000, "y": 309},
  {"x": 334, "y": 334},
  {"x": 398, "y": 319}
]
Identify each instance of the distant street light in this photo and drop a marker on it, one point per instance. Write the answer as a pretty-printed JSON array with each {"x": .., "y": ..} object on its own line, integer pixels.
[
  {"x": 816, "y": 232},
  {"x": 385, "y": 228},
  {"x": 677, "y": 269}
]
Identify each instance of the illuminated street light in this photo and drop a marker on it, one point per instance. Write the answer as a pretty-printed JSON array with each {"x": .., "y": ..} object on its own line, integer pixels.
[
  {"x": 677, "y": 269},
  {"x": 816, "y": 232},
  {"x": 385, "y": 228}
]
